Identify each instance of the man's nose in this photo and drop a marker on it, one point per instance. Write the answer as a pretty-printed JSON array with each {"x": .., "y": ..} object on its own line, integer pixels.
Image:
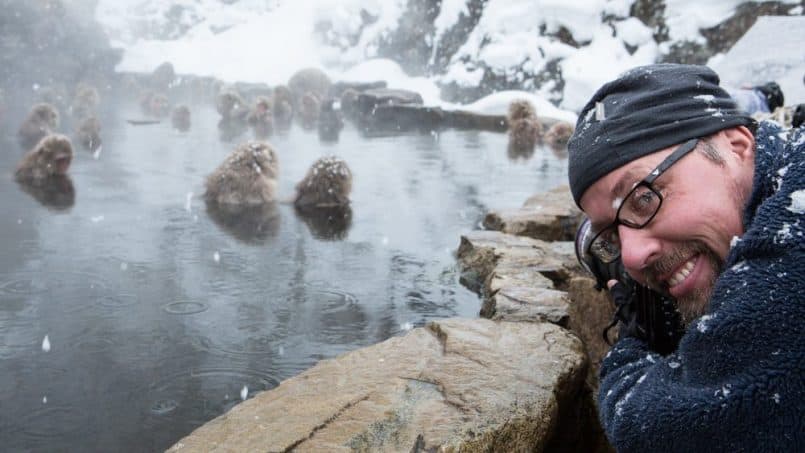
[{"x": 638, "y": 248}]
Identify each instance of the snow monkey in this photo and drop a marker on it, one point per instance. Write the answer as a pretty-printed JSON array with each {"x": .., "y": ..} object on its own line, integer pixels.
[
  {"x": 309, "y": 109},
  {"x": 43, "y": 119},
  {"x": 309, "y": 80},
  {"x": 88, "y": 133},
  {"x": 283, "y": 107},
  {"x": 558, "y": 135},
  {"x": 524, "y": 127},
  {"x": 180, "y": 118},
  {"x": 230, "y": 105},
  {"x": 248, "y": 176},
  {"x": 261, "y": 118},
  {"x": 327, "y": 183},
  {"x": 85, "y": 101},
  {"x": 330, "y": 121},
  {"x": 50, "y": 157}
]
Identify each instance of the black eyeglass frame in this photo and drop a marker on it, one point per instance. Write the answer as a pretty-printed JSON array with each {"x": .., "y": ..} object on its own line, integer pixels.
[{"x": 672, "y": 158}]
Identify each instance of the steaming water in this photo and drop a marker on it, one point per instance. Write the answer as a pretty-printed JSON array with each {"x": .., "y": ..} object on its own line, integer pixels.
[{"x": 157, "y": 318}]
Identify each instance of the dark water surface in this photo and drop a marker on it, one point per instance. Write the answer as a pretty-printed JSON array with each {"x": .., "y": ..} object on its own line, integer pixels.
[{"x": 159, "y": 318}]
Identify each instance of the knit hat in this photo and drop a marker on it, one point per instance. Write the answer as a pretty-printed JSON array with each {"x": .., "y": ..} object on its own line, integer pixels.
[{"x": 646, "y": 109}]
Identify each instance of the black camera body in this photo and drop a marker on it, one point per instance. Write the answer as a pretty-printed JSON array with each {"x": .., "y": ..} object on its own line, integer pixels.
[{"x": 656, "y": 318}]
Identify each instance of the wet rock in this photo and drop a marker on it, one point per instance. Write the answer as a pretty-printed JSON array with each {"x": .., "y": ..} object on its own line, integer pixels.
[
  {"x": 369, "y": 100},
  {"x": 455, "y": 385},
  {"x": 461, "y": 119},
  {"x": 549, "y": 216},
  {"x": 392, "y": 119},
  {"x": 338, "y": 88},
  {"x": 520, "y": 278}
]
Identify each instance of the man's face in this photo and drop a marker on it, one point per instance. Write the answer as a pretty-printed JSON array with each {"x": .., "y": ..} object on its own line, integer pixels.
[{"x": 682, "y": 249}]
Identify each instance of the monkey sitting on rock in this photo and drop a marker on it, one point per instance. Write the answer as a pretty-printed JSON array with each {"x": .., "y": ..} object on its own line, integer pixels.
[
  {"x": 248, "y": 176},
  {"x": 43, "y": 119},
  {"x": 327, "y": 183},
  {"x": 88, "y": 133},
  {"x": 524, "y": 128}
]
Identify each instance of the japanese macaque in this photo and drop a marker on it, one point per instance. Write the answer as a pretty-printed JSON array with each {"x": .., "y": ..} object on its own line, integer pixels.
[
  {"x": 85, "y": 101},
  {"x": 327, "y": 183},
  {"x": 309, "y": 110},
  {"x": 43, "y": 119},
  {"x": 558, "y": 135},
  {"x": 155, "y": 104},
  {"x": 88, "y": 133},
  {"x": 180, "y": 118},
  {"x": 261, "y": 117},
  {"x": 283, "y": 107},
  {"x": 524, "y": 127},
  {"x": 50, "y": 157},
  {"x": 309, "y": 80},
  {"x": 231, "y": 106},
  {"x": 248, "y": 176},
  {"x": 330, "y": 121}
]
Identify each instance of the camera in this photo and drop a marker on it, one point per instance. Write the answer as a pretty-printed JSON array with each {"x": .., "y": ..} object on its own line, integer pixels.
[{"x": 653, "y": 314}]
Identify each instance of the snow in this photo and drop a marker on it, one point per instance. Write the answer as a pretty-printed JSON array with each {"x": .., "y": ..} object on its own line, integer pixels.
[
  {"x": 498, "y": 104},
  {"x": 46, "y": 344},
  {"x": 797, "y": 202},
  {"x": 244, "y": 393},
  {"x": 269, "y": 40}
]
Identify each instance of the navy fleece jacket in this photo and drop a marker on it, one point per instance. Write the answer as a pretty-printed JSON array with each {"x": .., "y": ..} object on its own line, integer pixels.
[{"x": 737, "y": 380}]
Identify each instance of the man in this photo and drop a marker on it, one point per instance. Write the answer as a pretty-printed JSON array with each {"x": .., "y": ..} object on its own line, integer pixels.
[{"x": 703, "y": 205}]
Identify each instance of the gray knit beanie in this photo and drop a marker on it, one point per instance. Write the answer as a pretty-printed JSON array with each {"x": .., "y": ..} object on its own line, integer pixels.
[{"x": 646, "y": 109}]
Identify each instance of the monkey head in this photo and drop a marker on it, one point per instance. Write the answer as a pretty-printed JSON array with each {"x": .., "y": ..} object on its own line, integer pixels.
[
  {"x": 327, "y": 183},
  {"x": 50, "y": 157},
  {"x": 519, "y": 109}
]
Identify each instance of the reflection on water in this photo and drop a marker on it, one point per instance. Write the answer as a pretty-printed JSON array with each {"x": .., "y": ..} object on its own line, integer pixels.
[{"x": 162, "y": 312}]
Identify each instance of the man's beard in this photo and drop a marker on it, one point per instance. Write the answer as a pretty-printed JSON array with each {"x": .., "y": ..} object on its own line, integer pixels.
[{"x": 693, "y": 304}]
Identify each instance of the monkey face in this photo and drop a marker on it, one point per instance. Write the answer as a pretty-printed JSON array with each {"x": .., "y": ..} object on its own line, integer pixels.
[
  {"x": 54, "y": 154},
  {"x": 46, "y": 115}
]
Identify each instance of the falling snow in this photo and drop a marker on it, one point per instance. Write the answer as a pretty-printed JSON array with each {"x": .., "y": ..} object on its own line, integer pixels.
[
  {"x": 46, "y": 344},
  {"x": 244, "y": 392},
  {"x": 216, "y": 257}
]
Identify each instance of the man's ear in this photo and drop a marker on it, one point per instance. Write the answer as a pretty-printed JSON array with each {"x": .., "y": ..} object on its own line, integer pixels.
[{"x": 741, "y": 141}]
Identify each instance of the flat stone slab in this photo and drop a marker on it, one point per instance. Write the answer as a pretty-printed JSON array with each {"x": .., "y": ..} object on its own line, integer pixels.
[
  {"x": 520, "y": 278},
  {"x": 455, "y": 385},
  {"x": 549, "y": 216}
]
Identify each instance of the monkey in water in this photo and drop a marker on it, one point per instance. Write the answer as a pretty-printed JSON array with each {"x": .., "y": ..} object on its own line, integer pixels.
[
  {"x": 43, "y": 119},
  {"x": 180, "y": 118},
  {"x": 260, "y": 117},
  {"x": 50, "y": 157},
  {"x": 327, "y": 183},
  {"x": 88, "y": 133},
  {"x": 524, "y": 127},
  {"x": 248, "y": 176},
  {"x": 558, "y": 135}
]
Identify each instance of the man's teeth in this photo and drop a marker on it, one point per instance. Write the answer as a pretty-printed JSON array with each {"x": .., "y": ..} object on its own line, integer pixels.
[{"x": 682, "y": 274}]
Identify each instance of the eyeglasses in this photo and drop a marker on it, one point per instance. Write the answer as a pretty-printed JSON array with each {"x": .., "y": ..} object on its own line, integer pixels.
[{"x": 638, "y": 208}]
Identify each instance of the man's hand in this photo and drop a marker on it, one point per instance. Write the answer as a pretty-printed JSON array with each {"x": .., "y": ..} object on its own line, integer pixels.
[{"x": 625, "y": 312}]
